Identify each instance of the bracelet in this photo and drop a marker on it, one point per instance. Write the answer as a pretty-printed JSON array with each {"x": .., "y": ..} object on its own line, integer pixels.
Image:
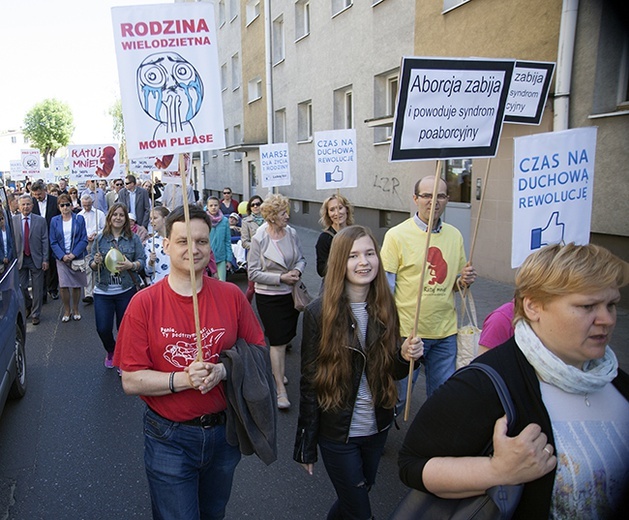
[{"x": 171, "y": 382}]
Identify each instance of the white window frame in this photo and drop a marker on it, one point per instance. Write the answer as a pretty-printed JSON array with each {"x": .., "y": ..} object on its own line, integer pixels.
[
  {"x": 224, "y": 76},
  {"x": 279, "y": 48},
  {"x": 233, "y": 10},
  {"x": 302, "y": 19},
  {"x": 222, "y": 17},
  {"x": 344, "y": 107},
  {"x": 235, "y": 60},
  {"x": 449, "y": 5},
  {"x": 252, "y": 10},
  {"x": 254, "y": 89},
  {"x": 304, "y": 122},
  {"x": 279, "y": 126},
  {"x": 338, "y": 6}
]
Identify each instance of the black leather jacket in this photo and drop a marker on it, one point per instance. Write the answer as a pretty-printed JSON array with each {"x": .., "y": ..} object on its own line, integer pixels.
[{"x": 334, "y": 425}]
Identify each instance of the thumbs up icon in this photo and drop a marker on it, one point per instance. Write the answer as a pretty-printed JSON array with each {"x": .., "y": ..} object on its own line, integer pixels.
[
  {"x": 335, "y": 175},
  {"x": 551, "y": 234}
]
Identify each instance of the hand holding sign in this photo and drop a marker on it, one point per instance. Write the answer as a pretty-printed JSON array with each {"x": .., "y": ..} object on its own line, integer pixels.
[{"x": 335, "y": 175}]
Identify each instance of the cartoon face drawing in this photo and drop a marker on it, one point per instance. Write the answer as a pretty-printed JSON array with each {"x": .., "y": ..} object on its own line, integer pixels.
[
  {"x": 437, "y": 266},
  {"x": 170, "y": 91}
]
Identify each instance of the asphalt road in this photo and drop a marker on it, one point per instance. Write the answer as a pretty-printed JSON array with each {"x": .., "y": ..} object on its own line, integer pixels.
[{"x": 73, "y": 447}]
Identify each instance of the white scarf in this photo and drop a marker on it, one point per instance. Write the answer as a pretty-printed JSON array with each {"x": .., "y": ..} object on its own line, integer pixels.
[{"x": 552, "y": 370}]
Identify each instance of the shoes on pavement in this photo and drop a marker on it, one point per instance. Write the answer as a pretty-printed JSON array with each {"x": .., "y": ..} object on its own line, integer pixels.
[
  {"x": 88, "y": 300},
  {"x": 54, "y": 295},
  {"x": 36, "y": 321},
  {"x": 65, "y": 319},
  {"x": 285, "y": 380},
  {"x": 109, "y": 360},
  {"x": 282, "y": 401},
  {"x": 76, "y": 317}
]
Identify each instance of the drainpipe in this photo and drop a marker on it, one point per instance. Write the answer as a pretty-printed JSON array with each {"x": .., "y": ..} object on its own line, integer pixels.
[
  {"x": 565, "y": 53},
  {"x": 269, "y": 71}
]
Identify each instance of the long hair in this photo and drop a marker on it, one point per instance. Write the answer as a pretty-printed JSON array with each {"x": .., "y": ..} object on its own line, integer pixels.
[
  {"x": 333, "y": 374},
  {"x": 126, "y": 229},
  {"x": 325, "y": 219}
]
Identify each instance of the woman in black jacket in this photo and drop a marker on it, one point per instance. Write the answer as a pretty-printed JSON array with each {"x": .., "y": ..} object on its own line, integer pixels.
[{"x": 350, "y": 360}]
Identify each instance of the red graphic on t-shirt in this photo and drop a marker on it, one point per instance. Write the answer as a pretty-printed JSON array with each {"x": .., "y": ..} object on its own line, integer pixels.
[{"x": 437, "y": 266}]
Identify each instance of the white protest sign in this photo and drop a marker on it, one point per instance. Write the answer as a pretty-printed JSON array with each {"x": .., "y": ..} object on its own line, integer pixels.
[
  {"x": 274, "y": 165},
  {"x": 93, "y": 161},
  {"x": 449, "y": 108},
  {"x": 17, "y": 174},
  {"x": 335, "y": 156},
  {"x": 31, "y": 160},
  {"x": 47, "y": 176},
  {"x": 172, "y": 176},
  {"x": 552, "y": 190},
  {"x": 148, "y": 164},
  {"x": 59, "y": 164},
  {"x": 528, "y": 92},
  {"x": 169, "y": 78}
]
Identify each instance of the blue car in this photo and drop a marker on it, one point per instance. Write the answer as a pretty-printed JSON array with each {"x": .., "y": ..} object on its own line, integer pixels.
[{"x": 12, "y": 312}]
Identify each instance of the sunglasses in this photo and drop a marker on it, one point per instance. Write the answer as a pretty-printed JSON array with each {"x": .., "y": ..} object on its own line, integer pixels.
[
  {"x": 255, "y": 204},
  {"x": 65, "y": 205},
  {"x": 227, "y": 193},
  {"x": 119, "y": 185},
  {"x": 127, "y": 183}
]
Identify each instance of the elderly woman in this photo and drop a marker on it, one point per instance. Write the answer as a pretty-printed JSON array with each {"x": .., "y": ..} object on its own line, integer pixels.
[
  {"x": 275, "y": 264},
  {"x": 115, "y": 285},
  {"x": 336, "y": 213},
  {"x": 250, "y": 225},
  {"x": 570, "y": 442},
  {"x": 68, "y": 242}
]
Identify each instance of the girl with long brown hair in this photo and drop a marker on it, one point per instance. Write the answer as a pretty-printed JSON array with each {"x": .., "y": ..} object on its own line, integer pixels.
[{"x": 351, "y": 357}]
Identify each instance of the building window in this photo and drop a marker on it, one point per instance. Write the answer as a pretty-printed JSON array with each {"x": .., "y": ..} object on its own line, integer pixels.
[
  {"x": 344, "y": 108},
  {"x": 304, "y": 121},
  {"x": 623, "y": 86},
  {"x": 235, "y": 72},
  {"x": 385, "y": 99},
  {"x": 340, "y": 5},
  {"x": 302, "y": 18},
  {"x": 226, "y": 137},
  {"x": 221, "y": 13},
  {"x": 254, "y": 90},
  {"x": 278, "y": 39},
  {"x": 279, "y": 126},
  {"x": 237, "y": 135},
  {"x": 458, "y": 176},
  {"x": 252, "y": 10},
  {"x": 233, "y": 9},
  {"x": 13, "y": 139},
  {"x": 224, "y": 76}
]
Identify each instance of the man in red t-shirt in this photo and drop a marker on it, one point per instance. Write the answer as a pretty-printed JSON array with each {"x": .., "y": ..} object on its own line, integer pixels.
[{"x": 189, "y": 464}]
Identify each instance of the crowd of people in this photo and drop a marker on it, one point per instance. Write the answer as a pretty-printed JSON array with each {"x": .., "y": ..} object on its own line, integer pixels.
[{"x": 568, "y": 448}]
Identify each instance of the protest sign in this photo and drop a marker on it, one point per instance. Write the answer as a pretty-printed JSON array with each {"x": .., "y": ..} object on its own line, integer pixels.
[
  {"x": 449, "y": 108},
  {"x": 93, "y": 161},
  {"x": 17, "y": 173},
  {"x": 166, "y": 163},
  {"x": 552, "y": 190},
  {"x": 31, "y": 160},
  {"x": 528, "y": 92},
  {"x": 335, "y": 156},
  {"x": 169, "y": 78},
  {"x": 59, "y": 164},
  {"x": 274, "y": 165}
]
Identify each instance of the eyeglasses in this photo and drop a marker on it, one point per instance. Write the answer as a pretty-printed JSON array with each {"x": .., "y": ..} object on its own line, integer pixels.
[
  {"x": 129, "y": 182},
  {"x": 428, "y": 196},
  {"x": 64, "y": 205},
  {"x": 227, "y": 193},
  {"x": 255, "y": 204},
  {"x": 118, "y": 185}
]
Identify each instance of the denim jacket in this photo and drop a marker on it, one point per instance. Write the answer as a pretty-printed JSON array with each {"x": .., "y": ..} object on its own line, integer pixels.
[{"x": 131, "y": 248}]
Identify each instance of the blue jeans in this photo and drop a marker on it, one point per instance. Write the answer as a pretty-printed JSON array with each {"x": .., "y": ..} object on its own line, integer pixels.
[
  {"x": 352, "y": 468},
  {"x": 106, "y": 307},
  {"x": 190, "y": 469},
  {"x": 440, "y": 362}
]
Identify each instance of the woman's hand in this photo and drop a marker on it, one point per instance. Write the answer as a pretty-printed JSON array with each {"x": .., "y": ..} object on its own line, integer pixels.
[
  {"x": 291, "y": 277},
  {"x": 522, "y": 458},
  {"x": 67, "y": 258},
  {"x": 412, "y": 348}
]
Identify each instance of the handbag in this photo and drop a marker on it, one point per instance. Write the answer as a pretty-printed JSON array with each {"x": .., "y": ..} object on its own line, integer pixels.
[
  {"x": 468, "y": 333},
  {"x": 79, "y": 264},
  {"x": 499, "y": 503},
  {"x": 301, "y": 297}
]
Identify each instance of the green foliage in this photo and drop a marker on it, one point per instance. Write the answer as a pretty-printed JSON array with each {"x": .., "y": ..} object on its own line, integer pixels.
[
  {"x": 115, "y": 111},
  {"x": 49, "y": 126}
]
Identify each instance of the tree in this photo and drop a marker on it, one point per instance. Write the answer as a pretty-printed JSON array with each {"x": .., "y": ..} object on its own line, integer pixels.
[
  {"x": 49, "y": 126},
  {"x": 115, "y": 111}
]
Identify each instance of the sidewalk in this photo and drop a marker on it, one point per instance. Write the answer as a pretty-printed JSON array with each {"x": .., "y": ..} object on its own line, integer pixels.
[{"x": 488, "y": 294}]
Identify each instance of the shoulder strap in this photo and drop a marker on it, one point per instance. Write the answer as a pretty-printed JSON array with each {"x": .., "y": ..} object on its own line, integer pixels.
[{"x": 501, "y": 390}]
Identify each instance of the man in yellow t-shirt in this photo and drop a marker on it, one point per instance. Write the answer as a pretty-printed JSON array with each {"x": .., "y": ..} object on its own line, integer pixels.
[{"x": 403, "y": 258}]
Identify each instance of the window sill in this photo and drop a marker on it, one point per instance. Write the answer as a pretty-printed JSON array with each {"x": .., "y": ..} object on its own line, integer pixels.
[
  {"x": 609, "y": 114},
  {"x": 305, "y": 141},
  {"x": 342, "y": 11},
  {"x": 299, "y": 38}
]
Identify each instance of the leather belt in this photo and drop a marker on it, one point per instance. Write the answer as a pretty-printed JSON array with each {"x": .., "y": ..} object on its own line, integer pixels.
[{"x": 208, "y": 420}]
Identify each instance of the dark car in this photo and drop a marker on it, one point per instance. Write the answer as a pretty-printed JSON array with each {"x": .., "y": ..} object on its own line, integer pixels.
[{"x": 12, "y": 312}]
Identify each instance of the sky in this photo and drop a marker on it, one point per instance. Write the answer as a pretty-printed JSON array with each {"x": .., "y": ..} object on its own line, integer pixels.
[{"x": 62, "y": 49}]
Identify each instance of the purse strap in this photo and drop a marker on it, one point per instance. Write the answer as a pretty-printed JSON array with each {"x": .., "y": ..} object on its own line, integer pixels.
[{"x": 501, "y": 390}]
